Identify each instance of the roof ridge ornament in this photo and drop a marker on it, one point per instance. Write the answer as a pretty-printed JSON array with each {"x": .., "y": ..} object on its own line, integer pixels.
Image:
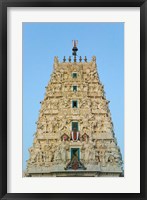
[{"x": 74, "y": 49}]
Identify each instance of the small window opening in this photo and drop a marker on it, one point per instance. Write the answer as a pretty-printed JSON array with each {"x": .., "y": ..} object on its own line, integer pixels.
[
  {"x": 74, "y": 75},
  {"x": 74, "y": 104},
  {"x": 74, "y": 88}
]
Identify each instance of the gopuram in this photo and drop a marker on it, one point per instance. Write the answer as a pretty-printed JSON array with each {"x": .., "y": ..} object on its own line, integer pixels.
[{"x": 74, "y": 136}]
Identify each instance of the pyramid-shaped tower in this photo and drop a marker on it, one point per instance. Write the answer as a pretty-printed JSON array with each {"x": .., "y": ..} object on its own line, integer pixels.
[{"x": 74, "y": 135}]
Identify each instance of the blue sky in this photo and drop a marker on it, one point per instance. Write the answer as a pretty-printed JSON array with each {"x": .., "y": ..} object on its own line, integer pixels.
[{"x": 42, "y": 41}]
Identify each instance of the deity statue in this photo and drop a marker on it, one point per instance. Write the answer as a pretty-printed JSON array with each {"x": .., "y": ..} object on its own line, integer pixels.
[
  {"x": 57, "y": 155},
  {"x": 63, "y": 150},
  {"x": 89, "y": 152},
  {"x": 48, "y": 153},
  {"x": 33, "y": 154},
  {"x": 85, "y": 88},
  {"x": 102, "y": 157},
  {"x": 65, "y": 76},
  {"x": 54, "y": 78},
  {"x": 92, "y": 150},
  {"x": 66, "y": 103}
]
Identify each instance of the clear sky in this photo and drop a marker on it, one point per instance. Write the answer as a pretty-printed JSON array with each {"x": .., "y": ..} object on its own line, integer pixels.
[{"x": 43, "y": 41}]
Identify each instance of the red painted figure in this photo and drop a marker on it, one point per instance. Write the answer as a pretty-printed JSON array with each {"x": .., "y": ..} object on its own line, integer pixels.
[{"x": 75, "y": 135}]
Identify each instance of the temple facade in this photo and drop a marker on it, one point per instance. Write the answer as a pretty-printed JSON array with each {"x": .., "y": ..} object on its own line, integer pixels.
[{"x": 74, "y": 135}]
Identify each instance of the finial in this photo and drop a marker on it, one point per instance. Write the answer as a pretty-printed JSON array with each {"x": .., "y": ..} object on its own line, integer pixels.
[
  {"x": 64, "y": 59},
  {"x": 80, "y": 59},
  {"x": 85, "y": 59},
  {"x": 69, "y": 59},
  {"x": 75, "y": 59},
  {"x": 74, "y": 49}
]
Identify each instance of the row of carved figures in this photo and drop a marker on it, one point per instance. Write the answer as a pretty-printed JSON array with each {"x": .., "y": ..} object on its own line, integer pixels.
[
  {"x": 84, "y": 103},
  {"x": 55, "y": 88},
  {"x": 59, "y": 153},
  {"x": 58, "y": 77},
  {"x": 65, "y": 120},
  {"x": 53, "y": 130}
]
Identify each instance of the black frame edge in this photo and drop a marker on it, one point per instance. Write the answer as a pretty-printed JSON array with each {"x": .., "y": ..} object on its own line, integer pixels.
[
  {"x": 73, "y": 3},
  {"x": 143, "y": 21},
  {"x": 1, "y": 181},
  {"x": 3, "y": 99}
]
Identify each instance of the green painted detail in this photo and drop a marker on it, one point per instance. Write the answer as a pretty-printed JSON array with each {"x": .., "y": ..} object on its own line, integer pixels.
[
  {"x": 75, "y": 153},
  {"x": 75, "y": 125},
  {"x": 74, "y": 88},
  {"x": 74, "y": 104},
  {"x": 74, "y": 75}
]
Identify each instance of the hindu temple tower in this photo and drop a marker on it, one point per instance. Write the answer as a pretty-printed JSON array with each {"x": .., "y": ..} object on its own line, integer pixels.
[{"x": 74, "y": 134}]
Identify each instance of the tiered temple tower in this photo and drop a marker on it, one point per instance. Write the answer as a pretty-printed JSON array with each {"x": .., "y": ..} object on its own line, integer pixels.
[{"x": 74, "y": 135}]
